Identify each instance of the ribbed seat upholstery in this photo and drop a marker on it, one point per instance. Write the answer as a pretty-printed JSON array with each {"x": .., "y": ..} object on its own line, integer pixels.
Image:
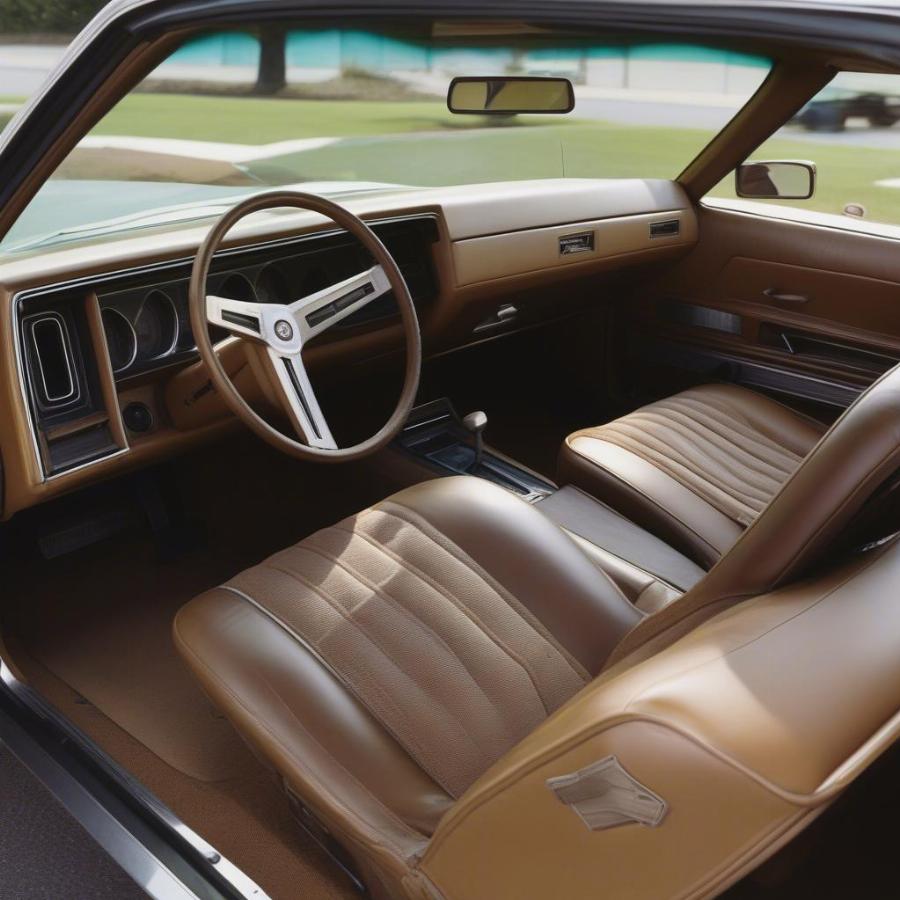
[
  {"x": 401, "y": 612},
  {"x": 384, "y": 663},
  {"x": 696, "y": 468}
]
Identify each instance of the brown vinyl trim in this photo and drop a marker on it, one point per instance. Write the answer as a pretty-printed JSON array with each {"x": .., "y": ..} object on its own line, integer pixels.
[{"x": 104, "y": 370}]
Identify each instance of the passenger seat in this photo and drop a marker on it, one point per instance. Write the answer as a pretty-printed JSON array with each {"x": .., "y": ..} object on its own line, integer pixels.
[{"x": 694, "y": 469}]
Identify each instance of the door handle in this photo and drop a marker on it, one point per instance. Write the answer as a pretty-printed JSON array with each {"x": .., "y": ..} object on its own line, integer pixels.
[{"x": 781, "y": 297}]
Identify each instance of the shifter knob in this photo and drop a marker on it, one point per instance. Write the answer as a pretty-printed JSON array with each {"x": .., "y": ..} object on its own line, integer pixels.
[{"x": 476, "y": 422}]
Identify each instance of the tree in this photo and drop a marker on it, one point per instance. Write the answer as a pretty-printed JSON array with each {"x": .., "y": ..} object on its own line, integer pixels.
[
  {"x": 47, "y": 16},
  {"x": 272, "y": 76}
]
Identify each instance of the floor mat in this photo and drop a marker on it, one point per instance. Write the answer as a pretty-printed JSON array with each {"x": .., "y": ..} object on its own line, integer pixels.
[
  {"x": 245, "y": 818},
  {"x": 34, "y": 821},
  {"x": 118, "y": 655}
]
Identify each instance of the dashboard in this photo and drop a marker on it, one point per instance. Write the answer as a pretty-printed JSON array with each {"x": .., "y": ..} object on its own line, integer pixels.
[
  {"x": 100, "y": 369},
  {"x": 145, "y": 324}
]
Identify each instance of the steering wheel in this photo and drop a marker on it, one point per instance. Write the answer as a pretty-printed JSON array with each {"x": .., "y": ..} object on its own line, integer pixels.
[{"x": 283, "y": 331}]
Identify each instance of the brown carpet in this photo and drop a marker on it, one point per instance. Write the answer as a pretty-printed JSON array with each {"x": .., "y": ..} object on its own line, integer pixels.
[
  {"x": 245, "y": 817},
  {"x": 113, "y": 648},
  {"x": 91, "y": 631}
]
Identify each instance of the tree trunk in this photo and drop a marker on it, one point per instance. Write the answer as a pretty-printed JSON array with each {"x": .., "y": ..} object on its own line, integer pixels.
[{"x": 272, "y": 75}]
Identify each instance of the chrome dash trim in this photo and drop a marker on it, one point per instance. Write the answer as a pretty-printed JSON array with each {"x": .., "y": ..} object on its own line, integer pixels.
[
  {"x": 74, "y": 392},
  {"x": 124, "y": 318}
]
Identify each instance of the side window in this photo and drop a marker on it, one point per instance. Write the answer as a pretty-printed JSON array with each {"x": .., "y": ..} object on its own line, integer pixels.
[{"x": 851, "y": 131}]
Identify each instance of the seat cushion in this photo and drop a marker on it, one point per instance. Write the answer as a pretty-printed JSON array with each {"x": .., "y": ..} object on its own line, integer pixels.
[
  {"x": 697, "y": 468},
  {"x": 381, "y": 665}
]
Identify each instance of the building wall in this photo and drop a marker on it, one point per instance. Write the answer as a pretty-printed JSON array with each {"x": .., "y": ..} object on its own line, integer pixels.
[{"x": 318, "y": 55}]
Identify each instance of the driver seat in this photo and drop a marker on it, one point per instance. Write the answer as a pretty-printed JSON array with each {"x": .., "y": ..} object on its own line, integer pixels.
[
  {"x": 406, "y": 648},
  {"x": 450, "y": 691}
]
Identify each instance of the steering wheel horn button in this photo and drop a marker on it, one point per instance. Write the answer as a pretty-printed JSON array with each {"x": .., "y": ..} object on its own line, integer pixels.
[{"x": 284, "y": 331}]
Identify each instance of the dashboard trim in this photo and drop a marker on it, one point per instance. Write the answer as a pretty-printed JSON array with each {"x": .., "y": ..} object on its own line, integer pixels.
[
  {"x": 74, "y": 393},
  {"x": 116, "y": 274}
]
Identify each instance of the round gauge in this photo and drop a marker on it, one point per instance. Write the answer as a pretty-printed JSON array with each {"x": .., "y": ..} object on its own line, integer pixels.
[
  {"x": 272, "y": 286},
  {"x": 237, "y": 287},
  {"x": 121, "y": 341},
  {"x": 156, "y": 326}
]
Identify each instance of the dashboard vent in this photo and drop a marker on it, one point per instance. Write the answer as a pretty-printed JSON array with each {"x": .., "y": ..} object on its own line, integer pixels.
[
  {"x": 669, "y": 228},
  {"x": 53, "y": 368}
]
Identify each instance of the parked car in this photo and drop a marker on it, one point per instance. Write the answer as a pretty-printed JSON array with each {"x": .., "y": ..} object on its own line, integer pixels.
[
  {"x": 830, "y": 111},
  {"x": 418, "y": 484}
]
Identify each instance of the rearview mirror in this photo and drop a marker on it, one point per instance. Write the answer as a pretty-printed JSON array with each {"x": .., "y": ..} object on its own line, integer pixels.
[
  {"x": 508, "y": 96},
  {"x": 783, "y": 180}
]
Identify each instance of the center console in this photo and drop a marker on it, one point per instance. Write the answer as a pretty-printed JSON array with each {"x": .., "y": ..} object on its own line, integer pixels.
[
  {"x": 647, "y": 570},
  {"x": 436, "y": 435}
]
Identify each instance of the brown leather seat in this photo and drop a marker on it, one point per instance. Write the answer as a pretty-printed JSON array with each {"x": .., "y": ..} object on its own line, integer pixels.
[
  {"x": 393, "y": 657},
  {"x": 420, "y": 676},
  {"x": 695, "y": 469}
]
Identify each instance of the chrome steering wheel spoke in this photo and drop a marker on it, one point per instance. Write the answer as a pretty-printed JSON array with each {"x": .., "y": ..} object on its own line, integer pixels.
[
  {"x": 319, "y": 311},
  {"x": 269, "y": 323},
  {"x": 276, "y": 326},
  {"x": 306, "y": 414}
]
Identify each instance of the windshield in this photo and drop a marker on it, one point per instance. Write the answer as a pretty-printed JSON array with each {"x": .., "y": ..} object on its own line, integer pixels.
[{"x": 345, "y": 112}]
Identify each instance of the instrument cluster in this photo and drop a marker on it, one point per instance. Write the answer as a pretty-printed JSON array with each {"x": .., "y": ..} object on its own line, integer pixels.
[{"x": 147, "y": 321}]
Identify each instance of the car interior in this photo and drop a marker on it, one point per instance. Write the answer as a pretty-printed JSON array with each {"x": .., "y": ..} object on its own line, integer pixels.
[{"x": 492, "y": 539}]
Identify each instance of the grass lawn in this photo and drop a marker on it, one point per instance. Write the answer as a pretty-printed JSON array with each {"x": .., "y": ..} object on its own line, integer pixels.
[
  {"x": 409, "y": 142},
  {"x": 845, "y": 175},
  {"x": 421, "y": 143},
  {"x": 254, "y": 120}
]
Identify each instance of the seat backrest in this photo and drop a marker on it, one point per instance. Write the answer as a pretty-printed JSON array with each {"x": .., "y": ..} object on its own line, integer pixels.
[
  {"x": 854, "y": 458},
  {"x": 677, "y": 775}
]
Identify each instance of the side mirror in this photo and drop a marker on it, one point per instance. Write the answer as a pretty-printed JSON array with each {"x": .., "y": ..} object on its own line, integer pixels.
[
  {"x": 508, "y": 96},
  {"x": 784, "y": 180}
]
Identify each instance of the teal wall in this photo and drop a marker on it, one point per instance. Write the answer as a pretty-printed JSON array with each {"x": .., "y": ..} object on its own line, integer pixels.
[
  {"x": 333, "y": 49},
  {"x": 226, "y": 49}
]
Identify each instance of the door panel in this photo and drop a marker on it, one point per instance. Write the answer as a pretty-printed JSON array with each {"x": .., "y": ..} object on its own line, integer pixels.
[{"x": 794, "y": 309}]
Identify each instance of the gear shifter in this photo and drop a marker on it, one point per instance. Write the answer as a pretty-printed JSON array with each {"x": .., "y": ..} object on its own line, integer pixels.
[{"x": 476, "y": 422}]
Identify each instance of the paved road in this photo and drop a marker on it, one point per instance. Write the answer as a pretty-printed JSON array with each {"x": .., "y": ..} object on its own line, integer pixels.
[
  {"x": 679, "y": 115},
  {"x": 18, "y": 82},
  {"x": 676, "y": 115},
  {"x": 23, "y": 67}
]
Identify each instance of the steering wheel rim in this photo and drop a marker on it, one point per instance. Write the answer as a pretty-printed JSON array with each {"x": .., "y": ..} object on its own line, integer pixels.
[{"x": 283, "y": 330}]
